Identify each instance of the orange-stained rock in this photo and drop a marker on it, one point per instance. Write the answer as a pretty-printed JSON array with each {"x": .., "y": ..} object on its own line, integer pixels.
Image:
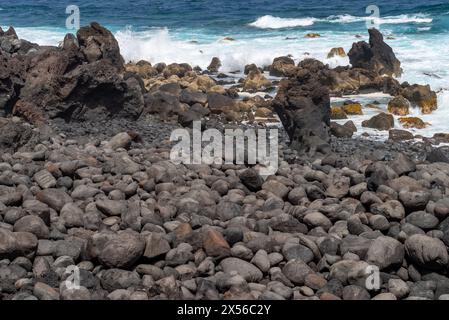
[
  {"x": 353, "y": 109},
  {"x": 339, "y": 51},
  {"x": 399, "y": 106},
  {"x": 215, "y": 244},
  {"x": 312, "y": 35},
  {"x": 338, "y": 113},
  {"x": 412, "y": 122}
]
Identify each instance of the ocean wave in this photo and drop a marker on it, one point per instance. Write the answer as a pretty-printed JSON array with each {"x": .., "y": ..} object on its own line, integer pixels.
[
  {"x": 270, "y": 22},
  {"x": 403, "y": 18}
]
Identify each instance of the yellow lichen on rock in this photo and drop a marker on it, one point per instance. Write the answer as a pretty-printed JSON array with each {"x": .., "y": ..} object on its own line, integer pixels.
[
  {"x": 412, "y": 122},
  {"x": 339, "y": 51},
  {"x": 312, "y": 35},
  {"x": 353, "y": 109},
  {"x": 399, "y": 106},
  {"x": 338, "y": 113}
]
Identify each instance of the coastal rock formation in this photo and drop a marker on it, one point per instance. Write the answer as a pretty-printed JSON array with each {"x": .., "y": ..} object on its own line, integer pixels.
[
  {"x": 338, "y": 51},
  {"x": 376, "y": 56},
  {"x": 382, "y": 121},
  {"x": 303, "y": 105},
  {"x": 420, "y": 96},
  {"x": 81, "y": 79},
  {"x": 282, "y": 67},
  {"x": 399, "y": 106}
]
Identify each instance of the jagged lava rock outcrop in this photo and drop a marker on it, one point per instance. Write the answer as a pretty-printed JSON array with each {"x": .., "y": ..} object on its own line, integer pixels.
[
  {"x": 81, "y": 79},
  {"x": 303, "y": 105},
  {"x": 376, "y": 55}
]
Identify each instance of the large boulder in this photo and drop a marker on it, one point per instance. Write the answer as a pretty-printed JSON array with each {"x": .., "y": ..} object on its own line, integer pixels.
[
  {"x": 282, "y": 67},
  {"x": 421, "y": 96},
  {"x": 256, "y": 81},
  {"x": 376, "y": 55},
  {"x": 399, "y": 106},
  {"x": 82, "y": 79},
  {"x": 382, "y": 121},
  {"x": 303, "y": 105},
  {"x": 97, "y": 43}
]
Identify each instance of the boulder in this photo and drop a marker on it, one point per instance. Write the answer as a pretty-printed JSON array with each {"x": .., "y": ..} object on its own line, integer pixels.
[
  {"x": 385, "y": 252},
  {"x": 352, "y": 109},
  {"x": 245, "y": 269},
  {"x": 96, "y": 43},
  {"x": 214, "y": 65},
  {"x": 122, "y": 250},
  {"x": 340, "y": 131},
  {"x": 399, "y": 135},
  {"x": 412, "y": 122},
  {"x": 338, "y": 51},
  {"x": 256, "y": 81},
  {"x": 427, "y": 252},
  {"x": 219, "y": 103},
  {"x": 282, "y": 67},
  {"x": 399, "y": 106},
  {"x": 337, "y": 113},
  {"x": 382, "y": 121},
  {"x": 421, "y": 96}
]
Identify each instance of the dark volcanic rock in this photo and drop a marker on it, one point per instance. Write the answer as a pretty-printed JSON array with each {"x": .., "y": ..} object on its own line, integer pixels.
[
  {"x": 382, "y": 121},
  {"x": 303, "y": 105},
  {"x": 376, "y": 56},
  {"x": 82, "y": 79}
]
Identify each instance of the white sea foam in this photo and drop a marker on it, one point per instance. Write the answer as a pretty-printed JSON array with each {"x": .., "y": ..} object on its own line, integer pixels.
[
  {"x": 400, "y": 19},
  {"x": 270, "y": 22}
]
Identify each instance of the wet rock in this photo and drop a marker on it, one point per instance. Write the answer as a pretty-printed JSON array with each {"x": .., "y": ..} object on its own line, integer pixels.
[
  {"x": 382, "y": 121},
  {"x": 338, "y": 51},
  {"x": 412, "y": 122},
  {"x": 421, "y": 96},
  {"x": 399, "y": 135},
  {"x": 340, "y": 131},
  {"x": 282, "y": 67},
  {"x": 214, "y": 65},
  {"x": 375, "y": 56},
  {"x": 399, "y": 106}
]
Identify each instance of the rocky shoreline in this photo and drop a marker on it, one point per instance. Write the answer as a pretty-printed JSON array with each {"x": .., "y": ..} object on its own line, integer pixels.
[{"x": 86, "y": 181}]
